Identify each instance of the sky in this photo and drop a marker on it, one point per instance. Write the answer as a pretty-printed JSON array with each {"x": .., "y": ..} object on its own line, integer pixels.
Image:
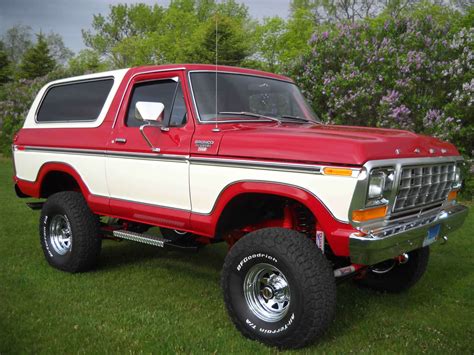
[{"x": 68, "y": 17}]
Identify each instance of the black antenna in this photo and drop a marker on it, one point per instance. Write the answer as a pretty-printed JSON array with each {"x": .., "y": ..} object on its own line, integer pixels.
[{"x": 216, "y": 129}]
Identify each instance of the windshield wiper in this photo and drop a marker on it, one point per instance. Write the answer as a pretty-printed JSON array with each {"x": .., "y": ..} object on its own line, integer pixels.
[
  {"x": 250, "y": 114},
  {"x": 299, "y": 118}
]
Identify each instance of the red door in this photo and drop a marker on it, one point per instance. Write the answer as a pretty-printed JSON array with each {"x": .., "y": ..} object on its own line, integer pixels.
[{"x": 146, "y": 184}]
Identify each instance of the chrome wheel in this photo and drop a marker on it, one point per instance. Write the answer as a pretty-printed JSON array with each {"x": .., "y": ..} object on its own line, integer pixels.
[
  {"x": 60, "y": 234},
  {"x": 267, "y": 292}
]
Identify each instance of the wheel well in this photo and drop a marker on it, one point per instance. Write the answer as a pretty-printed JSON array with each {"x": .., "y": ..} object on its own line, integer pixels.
[
  {"x": 255, "y": 208},
  {"x": 57, "y": 181}
]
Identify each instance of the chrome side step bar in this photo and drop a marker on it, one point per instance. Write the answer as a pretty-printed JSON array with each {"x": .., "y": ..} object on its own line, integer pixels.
[{"x": 141, "y": 238}]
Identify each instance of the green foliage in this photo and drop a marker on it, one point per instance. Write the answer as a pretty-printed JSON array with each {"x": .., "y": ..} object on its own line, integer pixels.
[
  {"x": 37, "y": 60},
  {"x": 269, "y": 43},
  {"x": 85, "y": 62},
  {"x": 124, "y": 23},
  {"x": 232, "y": 45},
  {"x": 16, "y": 98},
  {"x": 17, "y": 40},
  {"x": 133, "y": 35},
  {"x": 414, "y": 73},
  {"x": 14, "y": 108},
  {"x": 5, "y": 65},
  {"x": 58, "y": 50}
]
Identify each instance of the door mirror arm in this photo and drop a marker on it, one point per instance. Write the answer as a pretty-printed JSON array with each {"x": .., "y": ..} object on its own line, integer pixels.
[
  {"x": 142, "y": 131},
  {"x": 151, "y": 113}
]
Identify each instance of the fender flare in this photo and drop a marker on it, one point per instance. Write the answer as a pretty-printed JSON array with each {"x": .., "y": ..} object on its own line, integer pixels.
[
  {"x": 98, "y": 204},
  {"x": 328, "y": 223}
]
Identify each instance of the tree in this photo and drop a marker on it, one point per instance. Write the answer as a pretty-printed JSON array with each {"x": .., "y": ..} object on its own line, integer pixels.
[
  {"x": 37, "y": 60},
  {"x": 352, "y": 10},
  {"x": 270, "y": 42},
  {"x": 232, "y": 43},
  {"x": 57, "y": 48},
  {"x": 122, "y": 23},
  {"x": 5, "y": 65},
  {"x": 86, "y": 61},
  {"x": 17, "y": 40}
]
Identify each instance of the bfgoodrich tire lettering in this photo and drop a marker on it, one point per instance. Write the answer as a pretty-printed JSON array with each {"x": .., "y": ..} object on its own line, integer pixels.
[
  {"x": 305, "y": 308},
  {"x": 69, "y": 232}
]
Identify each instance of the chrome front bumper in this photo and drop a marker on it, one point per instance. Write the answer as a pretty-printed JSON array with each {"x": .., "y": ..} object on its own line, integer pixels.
[{"x": 394, "y": 240}]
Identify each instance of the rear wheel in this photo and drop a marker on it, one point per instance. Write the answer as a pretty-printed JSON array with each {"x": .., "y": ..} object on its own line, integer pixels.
[
  {"x": 69, "y": 232},
  {"x": 397, "y": 276},
  {"x": 278, "y": 288}
]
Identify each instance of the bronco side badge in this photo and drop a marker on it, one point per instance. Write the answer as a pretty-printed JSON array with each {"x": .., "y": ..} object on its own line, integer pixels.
[{"x": 203, "y": 145}]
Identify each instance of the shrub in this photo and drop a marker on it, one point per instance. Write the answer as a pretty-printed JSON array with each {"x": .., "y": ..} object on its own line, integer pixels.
[
  {"x": 16, "y": 98},
  {"x": 413, "y": 73}
]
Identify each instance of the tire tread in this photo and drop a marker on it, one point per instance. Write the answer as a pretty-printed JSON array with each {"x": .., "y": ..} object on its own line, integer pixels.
[
  {"x": 312, "y": 270},
  {"x": 85, "y": 227}
]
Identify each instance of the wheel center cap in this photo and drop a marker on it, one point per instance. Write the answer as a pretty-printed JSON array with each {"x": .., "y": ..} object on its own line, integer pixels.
[{"x": 267, "y": 293}]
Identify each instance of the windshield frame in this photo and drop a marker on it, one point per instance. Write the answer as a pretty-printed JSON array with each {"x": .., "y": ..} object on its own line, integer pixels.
[{"x": 239, "y": 120}]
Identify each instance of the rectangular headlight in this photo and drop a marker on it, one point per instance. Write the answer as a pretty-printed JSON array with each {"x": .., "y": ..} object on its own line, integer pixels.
[
  {"x": 457, "y": 178},
  {"x": 380, "y": 184}
]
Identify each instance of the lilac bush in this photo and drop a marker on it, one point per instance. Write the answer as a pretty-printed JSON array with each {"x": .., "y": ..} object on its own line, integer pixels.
[
  {"x": 16, "y": 98},
  {"x": 413, "y": 73}
]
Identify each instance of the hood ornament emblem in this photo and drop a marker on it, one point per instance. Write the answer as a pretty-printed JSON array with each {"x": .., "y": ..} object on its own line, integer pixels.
[
  {"x": 397, "y": 151},
  {"x": 417, "y": 150}
]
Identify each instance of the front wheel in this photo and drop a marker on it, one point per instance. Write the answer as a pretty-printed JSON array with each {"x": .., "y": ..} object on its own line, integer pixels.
[
  {"x": 69, "y": 232},
  {"x": 394, "y": 276},
  {"x": 279, "y": 288}
]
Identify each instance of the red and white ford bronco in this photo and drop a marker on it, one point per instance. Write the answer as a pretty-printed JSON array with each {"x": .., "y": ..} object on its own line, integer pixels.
[{"x": 213, "y": 153}]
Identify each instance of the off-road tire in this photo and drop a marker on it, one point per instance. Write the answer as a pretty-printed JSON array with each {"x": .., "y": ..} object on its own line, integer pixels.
[
  {"x": 85, "y": 243},
  {"x": 402, "y": 276},
  {"x": 311, "y": 283}
]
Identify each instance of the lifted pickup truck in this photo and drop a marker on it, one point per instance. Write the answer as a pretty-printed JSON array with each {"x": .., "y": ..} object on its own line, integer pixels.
[{"x": 211, "y": 154}]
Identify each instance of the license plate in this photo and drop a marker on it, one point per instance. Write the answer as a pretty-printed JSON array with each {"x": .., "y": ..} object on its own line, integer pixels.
[{"x": 432, "y": 235}]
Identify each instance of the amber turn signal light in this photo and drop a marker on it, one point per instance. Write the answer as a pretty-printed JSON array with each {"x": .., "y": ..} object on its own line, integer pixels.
[
  {"x": 452, "y": 195},
  {"x": 369, "y": 213},
  {"x": 337, "y": 171}
]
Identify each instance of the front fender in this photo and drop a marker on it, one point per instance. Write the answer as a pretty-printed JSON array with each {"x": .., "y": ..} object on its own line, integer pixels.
[{"x": 337, "y": 232}]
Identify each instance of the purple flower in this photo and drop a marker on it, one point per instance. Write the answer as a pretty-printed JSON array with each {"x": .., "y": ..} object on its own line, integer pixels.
[
  {"x": 401, "y": 114},
  {"x": 392, "y": 97}
]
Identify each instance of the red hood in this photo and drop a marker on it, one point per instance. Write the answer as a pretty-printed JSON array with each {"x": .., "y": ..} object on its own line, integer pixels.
[{"x": 328, "y": 143}]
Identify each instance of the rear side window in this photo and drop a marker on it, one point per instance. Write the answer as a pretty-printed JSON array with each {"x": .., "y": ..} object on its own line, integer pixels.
[{"x": 79, "y": 101}]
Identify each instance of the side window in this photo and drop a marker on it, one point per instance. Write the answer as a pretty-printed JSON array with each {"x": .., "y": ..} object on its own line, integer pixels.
[
  {"x": 163, "y": 91},
  {"x": 75, "y": 101}
]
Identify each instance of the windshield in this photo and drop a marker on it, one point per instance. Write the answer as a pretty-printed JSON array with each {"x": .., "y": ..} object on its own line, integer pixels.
[{"x": 240, "y": 95}]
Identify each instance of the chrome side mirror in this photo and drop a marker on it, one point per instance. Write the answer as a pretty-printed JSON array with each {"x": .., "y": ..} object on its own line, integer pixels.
[
  {"x": 152, "y": 114},
  {"x": 149, "y": 111}
]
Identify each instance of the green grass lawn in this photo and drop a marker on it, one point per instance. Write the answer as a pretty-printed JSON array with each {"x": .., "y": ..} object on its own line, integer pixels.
[{"x": 145, "y": 299}]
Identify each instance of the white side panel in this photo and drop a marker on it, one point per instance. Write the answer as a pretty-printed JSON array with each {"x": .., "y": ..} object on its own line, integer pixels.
[
  {"x": 152, "y": 181},
  {"x": 91, "y": 168},
  {"x": 30, "y": 118},
  {"x": 208, "y": 181},
  {"x": 166, "y": 182}
]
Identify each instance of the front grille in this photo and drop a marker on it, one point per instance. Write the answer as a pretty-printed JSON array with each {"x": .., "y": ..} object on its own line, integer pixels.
[{"x": 424, "y": 185}]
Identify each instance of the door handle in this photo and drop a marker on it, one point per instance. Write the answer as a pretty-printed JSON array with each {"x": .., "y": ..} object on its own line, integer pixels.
[{"x": 120, "y": 140}]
